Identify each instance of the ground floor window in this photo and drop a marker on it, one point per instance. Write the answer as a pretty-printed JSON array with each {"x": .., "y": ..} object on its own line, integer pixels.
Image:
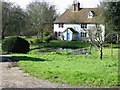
[
  {"x": 59, "y": 33},
  {"x": 83, "y": 34},
  {"x": 55, "y": 35}
]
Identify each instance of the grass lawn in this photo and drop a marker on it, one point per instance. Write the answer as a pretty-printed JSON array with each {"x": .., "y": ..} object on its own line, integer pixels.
[
  {"x": 85, "y": 70},
  {"x": 63, "y": 44}
]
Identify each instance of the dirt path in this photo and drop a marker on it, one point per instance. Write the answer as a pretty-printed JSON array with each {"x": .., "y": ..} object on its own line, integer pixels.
[{"x": 13, "y": 77}]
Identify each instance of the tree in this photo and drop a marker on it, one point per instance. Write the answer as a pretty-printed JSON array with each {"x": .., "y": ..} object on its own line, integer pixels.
[
  {"x": 41, "y": 17},
  {"x": 111, "y": 16},
  {"x": 96, "y": 37},
  {"x": 13, "y": 19}
]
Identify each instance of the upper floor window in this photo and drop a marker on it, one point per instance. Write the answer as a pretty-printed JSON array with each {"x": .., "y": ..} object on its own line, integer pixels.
[
  {"x": 90, "y": 14},
  {"x": 83, "y": 25},
  {"x": 61, "y": 25}
]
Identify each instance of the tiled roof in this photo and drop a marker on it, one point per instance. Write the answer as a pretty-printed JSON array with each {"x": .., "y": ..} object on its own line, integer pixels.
[{"x": 81, "y": 16}]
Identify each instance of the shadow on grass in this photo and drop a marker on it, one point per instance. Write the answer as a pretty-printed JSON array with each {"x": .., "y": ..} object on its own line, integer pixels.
[{"x": 26, "y": 58}]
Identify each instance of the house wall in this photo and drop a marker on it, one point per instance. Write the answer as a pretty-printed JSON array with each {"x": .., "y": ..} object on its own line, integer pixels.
[{"x": 78, "y": 28}]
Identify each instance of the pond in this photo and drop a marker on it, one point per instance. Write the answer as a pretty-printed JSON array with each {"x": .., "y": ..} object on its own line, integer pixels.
[{"x": 70, "y": 51}]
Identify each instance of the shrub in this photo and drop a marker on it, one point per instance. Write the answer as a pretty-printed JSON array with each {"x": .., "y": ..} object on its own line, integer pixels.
[
  {"x": 47, "y": 39},
  {"x": 46, "y": 34},
  {"x": 15, "y": 45},
  {"x": 37, "y": 40},
  {"x": 112, "y": 38}
]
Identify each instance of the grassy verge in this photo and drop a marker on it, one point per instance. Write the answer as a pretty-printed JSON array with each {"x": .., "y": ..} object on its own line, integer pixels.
[{"x": 85, "y": 70}]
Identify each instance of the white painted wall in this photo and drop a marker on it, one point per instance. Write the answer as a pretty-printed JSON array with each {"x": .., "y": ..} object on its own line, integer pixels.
[{"x": 78, "y": 28}]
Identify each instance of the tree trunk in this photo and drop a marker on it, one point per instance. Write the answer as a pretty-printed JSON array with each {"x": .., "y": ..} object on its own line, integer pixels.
[
  {"x": 2, "y": 36},
  {"x": 3, "y": 30},
  {"x": 117, "y": 37},
  {"x": 42, "y": 34},
  {"x": 101, "y": 53}
]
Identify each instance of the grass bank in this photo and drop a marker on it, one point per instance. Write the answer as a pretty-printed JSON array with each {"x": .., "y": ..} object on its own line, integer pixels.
[{"x": 85, "y": 70}]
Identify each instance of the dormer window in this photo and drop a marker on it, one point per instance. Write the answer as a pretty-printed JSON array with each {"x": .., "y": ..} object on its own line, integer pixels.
[{"x": 90, "y": 14}]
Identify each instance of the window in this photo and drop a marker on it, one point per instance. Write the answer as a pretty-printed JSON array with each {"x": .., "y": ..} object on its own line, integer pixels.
[
  {"x": 83, "y": 25},
  {"x": 61, "y": 25},
  {"x": 83, "y": 34},
  {"x": 59, "y": 33},
  {"x": 90, "y": 14}
]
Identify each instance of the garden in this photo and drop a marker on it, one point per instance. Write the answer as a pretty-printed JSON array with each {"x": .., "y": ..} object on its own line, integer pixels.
[{"x": 54, "y": 61}]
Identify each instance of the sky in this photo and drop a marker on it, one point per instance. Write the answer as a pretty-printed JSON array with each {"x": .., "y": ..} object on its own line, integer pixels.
[{"x": 61, "y": 5}]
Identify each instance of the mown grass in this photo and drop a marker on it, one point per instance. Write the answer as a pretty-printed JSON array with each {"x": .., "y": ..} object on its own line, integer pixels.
[{"x": 85, "y": 70}]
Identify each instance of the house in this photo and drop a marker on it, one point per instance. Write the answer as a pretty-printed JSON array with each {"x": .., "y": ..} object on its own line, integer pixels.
[{"x": 75, "y": 22}]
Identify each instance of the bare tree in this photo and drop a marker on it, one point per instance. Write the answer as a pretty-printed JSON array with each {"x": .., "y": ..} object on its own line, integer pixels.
[
  {"x": 96, "y": 37},
  {"x": 41, "y": 16}
]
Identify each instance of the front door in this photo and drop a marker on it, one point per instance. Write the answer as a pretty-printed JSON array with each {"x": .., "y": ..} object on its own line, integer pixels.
[{"x": 68, "y": 36}]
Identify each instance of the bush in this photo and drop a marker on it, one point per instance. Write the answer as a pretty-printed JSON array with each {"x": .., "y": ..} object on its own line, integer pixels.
[
  {"x": 46, "y": 34},
  {"x": 112, "y": 38},
  {"x": 15, "y": 45},
  {"x": 47, "y": 39},
  {"x": 38, "y": 40}
]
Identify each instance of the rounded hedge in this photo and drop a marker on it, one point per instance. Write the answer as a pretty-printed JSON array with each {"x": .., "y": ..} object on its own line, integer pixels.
[{"x": 15, "y": 45}]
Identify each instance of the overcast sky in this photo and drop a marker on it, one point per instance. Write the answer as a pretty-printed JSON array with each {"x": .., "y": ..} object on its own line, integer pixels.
[{"x": 61, "y": 5}]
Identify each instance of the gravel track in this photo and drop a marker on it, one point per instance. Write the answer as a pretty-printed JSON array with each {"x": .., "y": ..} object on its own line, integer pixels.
[{"x": 13, "y": 77}]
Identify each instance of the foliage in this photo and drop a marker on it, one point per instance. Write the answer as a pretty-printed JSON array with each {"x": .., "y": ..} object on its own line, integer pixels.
[
  {"x": 112, "y": 38},
  {"x": 15, "y": 45},
  {"x": 41, "y": 17},
  {"x": 47, "y": 39},
  {"x": 13, "y": 19},
  {"x": 77, "y": 70},
  {"x": 37, "y": 41},
  {"x": 38, "y": 18},
  {"x": 111, "y": 15}
]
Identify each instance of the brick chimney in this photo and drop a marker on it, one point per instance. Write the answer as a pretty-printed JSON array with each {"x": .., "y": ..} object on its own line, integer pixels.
[{"x": 76, "y": 5}]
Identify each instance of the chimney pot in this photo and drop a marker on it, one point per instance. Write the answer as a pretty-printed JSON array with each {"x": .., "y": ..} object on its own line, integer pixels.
[{"x": 76, "y": 5}]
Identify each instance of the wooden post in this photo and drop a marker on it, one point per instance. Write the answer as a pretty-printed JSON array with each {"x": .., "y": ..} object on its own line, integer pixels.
[{"x": 101, "y": 53}]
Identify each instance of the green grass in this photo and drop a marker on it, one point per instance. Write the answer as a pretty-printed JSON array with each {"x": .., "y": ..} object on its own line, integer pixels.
[
  {"x": 82, "y": 70},
  {"x": 59, "y": 43},
  {"x": 85, "y": 70}
]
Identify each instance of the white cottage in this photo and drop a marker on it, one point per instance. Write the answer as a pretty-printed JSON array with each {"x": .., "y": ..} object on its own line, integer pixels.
[{"x": 74, "y": 23}]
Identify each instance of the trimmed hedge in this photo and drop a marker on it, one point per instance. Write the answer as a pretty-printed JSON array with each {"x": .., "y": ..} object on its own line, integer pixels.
[{"x": 15, "y": 45}]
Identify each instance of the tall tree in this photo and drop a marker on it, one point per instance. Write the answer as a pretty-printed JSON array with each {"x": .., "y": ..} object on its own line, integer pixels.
[
  {"x": 96, "y": 33},
  {"x": 41, "y": 16},
  {"x": 13, "y": 19},
  {"x": 111, "y": 16}
]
